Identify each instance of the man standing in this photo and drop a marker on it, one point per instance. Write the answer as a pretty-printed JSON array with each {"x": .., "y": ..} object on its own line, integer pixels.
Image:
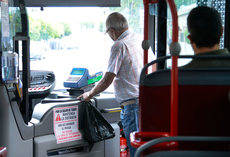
[
  {"x": 205, "y": 28},
  {"x": 124, "y": 67}
]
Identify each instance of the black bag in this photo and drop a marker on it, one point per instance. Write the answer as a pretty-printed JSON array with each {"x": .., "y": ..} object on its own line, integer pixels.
[{"x": 93, "y": 125}]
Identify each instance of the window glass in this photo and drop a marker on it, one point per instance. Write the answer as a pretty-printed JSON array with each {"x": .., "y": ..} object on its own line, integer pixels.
[
  {"x": 15, "y": 20},
  {"x": 15, "y": 24},
  {"x": 64, "y": 38},
  {"x": 183, "y": 9},
  {"x": 10, "y": 23}
]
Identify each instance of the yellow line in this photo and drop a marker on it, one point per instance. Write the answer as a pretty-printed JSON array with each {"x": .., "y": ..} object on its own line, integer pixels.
[
  {"x": 118, "y": 108},
  {"x": 19, "y": 93},
  {"x": 114, "y": 111},
  {"x": 111, "y": 110}
]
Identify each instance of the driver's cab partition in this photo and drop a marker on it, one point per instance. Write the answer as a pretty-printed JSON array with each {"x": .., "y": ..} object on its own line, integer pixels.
[
  {"x": 42, "y": 135},
  {"x": 39, "y": 138},
  {"x": 203, "y": 106},
  {"x": 46, "y": 144}
]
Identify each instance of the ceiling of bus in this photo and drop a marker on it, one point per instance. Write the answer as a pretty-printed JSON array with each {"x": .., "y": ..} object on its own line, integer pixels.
[{"x": 69, "y": 3}]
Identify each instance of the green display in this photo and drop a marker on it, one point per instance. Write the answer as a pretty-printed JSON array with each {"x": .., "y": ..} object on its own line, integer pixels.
[{"x": 95, "y": 79}]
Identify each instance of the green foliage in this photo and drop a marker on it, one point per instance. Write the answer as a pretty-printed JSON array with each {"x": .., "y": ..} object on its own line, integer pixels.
[
  {"x": 101, "y": 27},
  {"x": 186, "y": 33},
  {"x": 41, "y": 30},
  {"x": 46, "y": 31},
  {"x": 67, "y": 30},
  {"x": 34, "y": 29},
  {"x": 179, "y": 3},
  {"x": 15, "y": 20},
  {"x": 87, "y": 25},
  {"x": 132, "y": 9}
]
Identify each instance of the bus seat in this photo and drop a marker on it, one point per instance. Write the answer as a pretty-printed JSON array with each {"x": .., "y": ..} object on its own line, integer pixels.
[
  {"x": 203, "y": 106},
  {"x": 3, "y": 152},
  {"x": 183, "y": 153}
]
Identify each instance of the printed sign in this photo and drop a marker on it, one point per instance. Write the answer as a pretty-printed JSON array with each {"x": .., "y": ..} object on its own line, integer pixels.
[{"x": 66, "y": 124}]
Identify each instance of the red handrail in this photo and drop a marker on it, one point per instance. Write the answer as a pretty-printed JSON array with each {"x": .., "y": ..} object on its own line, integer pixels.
[
  {"x": 174, "y": 73},
  {"x": 174, "y": 70},
  {"x": 3, "y": 152},
  {"x": 136, "y": 138},
  {"x": 174, "y": 20},
  {"x": 146, "y": 29}
]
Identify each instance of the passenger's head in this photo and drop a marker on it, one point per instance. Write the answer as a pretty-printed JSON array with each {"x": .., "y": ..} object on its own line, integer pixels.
[
  {"x": 205, "y": 27},
  {"x": 116, "y": 24}
]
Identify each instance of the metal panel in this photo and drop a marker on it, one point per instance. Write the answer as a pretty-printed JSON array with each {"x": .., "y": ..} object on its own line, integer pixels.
[
  {"x": 112, "y": 146},
  {"x": 69, "y": 3},
  {"x": 107, "y": 148},
  {"x": 44, "y": 144},
  {"x": 9, "y": 134}
]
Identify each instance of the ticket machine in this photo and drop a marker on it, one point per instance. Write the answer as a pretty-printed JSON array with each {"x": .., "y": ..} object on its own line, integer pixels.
[{"x": 79, "y": 81}]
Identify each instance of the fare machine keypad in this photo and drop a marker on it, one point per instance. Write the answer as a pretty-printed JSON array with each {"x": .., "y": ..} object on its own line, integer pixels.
[
  {"x": 78, "y": 78},
  {"x": 41, "y": 83}
]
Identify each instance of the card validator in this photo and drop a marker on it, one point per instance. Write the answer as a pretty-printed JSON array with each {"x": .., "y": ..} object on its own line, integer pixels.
[{"x": 78, "y": 78}]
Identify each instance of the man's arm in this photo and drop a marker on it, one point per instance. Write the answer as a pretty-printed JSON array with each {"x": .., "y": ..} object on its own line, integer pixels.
[{"x": 100, "y": 87}]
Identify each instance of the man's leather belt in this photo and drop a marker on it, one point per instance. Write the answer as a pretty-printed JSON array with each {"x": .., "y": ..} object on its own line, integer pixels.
[{"x": 128, "y": 102}]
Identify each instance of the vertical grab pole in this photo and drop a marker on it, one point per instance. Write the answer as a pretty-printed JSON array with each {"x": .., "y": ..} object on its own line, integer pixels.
[
  {"x": 145, "y": 43},
  {"x": 174, "y": 50},
  {"x": 174, "y": 98},
  {"x": 146, "y": 30}
]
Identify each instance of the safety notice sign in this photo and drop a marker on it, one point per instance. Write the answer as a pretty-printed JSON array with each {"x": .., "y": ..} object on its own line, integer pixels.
[{"x": 66, "y": 124}]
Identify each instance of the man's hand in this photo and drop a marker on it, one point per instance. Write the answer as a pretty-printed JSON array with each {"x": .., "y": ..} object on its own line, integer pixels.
[
  {"x": 101, "y": 86},
  {"x": 85, "y": 96}
]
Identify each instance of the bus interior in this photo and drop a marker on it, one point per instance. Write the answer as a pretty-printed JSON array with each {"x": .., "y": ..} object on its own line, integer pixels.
[{"x": 53, "y": 51}]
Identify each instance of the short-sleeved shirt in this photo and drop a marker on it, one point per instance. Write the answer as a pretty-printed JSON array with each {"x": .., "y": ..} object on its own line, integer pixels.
[{"x": 126, "y": 62}]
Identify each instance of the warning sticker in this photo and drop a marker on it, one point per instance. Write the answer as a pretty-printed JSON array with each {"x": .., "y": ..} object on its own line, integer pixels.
[{"x": 66, "y": 124}]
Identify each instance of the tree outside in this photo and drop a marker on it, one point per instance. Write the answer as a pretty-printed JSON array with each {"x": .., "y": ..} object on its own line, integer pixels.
[
  {"x": 132, "y": 9},
  {"x": 41, "y": 30}
]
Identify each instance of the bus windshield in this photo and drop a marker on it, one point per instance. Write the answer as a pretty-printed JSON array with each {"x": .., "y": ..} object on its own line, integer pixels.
[{"x": 63, "y": 38}]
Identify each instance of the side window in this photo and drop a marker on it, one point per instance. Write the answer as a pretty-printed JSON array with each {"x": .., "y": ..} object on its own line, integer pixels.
[
  {"x": 10, "y": 21},
  {"x": 15, "y": 20},
  {"x": 15, "y": 26},
  {"x": 183, "y": 9},
  {"x": 9, "y": 26}
]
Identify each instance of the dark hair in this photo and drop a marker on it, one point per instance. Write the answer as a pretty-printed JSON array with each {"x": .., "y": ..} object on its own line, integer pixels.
[{"x": 205, "y": 26}]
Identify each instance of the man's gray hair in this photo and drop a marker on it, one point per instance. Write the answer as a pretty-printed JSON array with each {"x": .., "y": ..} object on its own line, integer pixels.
[{"x": 116, "y": 21}]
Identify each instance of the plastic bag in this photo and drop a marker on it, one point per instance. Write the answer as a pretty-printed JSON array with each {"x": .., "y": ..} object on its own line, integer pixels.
[{"x": 93, "y": 125}]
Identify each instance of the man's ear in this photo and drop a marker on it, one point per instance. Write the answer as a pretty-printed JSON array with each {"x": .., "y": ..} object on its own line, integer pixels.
[
  {"x": 222, "y": 30},
  {"x": 190, "y": 38}
]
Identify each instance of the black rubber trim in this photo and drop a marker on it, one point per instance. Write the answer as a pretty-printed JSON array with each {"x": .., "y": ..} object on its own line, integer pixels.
[{"x": 186, "y": 139}]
